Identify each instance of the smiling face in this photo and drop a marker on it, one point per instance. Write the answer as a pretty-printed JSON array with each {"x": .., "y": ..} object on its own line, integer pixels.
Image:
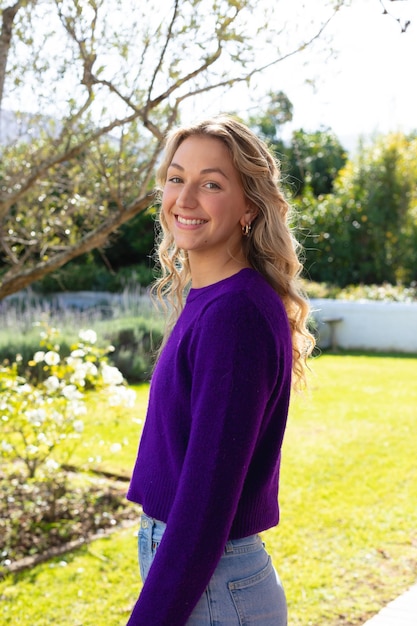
[{"x": 203, "y": 201}]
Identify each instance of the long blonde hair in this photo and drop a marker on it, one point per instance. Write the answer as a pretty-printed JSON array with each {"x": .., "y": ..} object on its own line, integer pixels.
[{"x": 271, "y": 248}]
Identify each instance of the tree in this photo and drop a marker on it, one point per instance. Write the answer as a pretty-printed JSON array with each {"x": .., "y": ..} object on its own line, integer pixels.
[
  {"x": 314, "y": 159},
  {"x": 268, "y": 123},
  {"x": 366, "y": 230},
  {"x": 103, "y": 81}
]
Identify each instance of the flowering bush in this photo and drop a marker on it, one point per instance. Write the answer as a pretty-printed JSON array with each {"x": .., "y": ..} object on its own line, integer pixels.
[
  {"x": 44, "y": 407},
  {"x": 385, "y": 292}
]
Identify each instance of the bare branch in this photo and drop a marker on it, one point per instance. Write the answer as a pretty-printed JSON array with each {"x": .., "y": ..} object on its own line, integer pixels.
[
  {"x": 403, "y": 24},
  {"x": 163, "y": 52},
  {"x": 7, "y": 20}
]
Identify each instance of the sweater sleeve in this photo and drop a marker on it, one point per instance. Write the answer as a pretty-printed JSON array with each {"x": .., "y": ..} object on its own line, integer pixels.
[{"x": 233, "y": 355}]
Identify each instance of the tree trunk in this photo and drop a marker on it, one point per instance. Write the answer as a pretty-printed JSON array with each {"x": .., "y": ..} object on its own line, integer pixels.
[{"x": 7, "y": 20}]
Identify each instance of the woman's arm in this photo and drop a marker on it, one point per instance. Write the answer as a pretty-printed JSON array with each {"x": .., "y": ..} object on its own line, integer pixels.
[{"x": 235, "y": 371}]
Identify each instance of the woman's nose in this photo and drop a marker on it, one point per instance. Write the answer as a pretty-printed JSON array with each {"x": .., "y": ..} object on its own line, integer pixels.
[{"x": 187, "y": 197}]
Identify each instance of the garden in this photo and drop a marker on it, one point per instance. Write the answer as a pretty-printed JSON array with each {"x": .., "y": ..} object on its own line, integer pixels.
[
  {"x": 78, "y": 215},
  {"x": 347, "y": 540}
]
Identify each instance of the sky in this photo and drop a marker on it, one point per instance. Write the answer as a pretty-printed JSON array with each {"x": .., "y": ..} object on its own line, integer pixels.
[
  {"x": 367, "y": 86},
  {"x": 370, "y": 86}
]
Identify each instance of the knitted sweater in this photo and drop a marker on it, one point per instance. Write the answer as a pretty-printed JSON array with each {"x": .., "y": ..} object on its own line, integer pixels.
[{"x": 209, "y": 456}]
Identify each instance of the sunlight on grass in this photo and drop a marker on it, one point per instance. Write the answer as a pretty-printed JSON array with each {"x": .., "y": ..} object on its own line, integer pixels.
[
  {"x": 347, "y": 541},
  {"x": 94, "y": 585}
]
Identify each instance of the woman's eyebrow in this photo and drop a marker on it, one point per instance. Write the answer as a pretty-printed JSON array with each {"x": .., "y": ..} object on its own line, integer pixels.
[{"x": 207, "y": 170}]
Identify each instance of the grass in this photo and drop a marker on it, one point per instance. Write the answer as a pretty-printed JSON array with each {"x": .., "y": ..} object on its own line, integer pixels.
[
  {"x": 348, "y": 538},
  {"x": 347, "y": 541},
  {"x": 110, "y": 438}
]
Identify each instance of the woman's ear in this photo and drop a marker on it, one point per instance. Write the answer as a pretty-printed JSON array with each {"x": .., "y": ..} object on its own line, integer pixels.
[{"x": 249, "y": 215}]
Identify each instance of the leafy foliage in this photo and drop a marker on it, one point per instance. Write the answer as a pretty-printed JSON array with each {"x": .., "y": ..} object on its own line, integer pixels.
[
  {"x": 310, "y": 160},
  {"x": 43, "y": 406},
  {"x": 366, "y": 230},
  {"x": 313, "y": 160}
]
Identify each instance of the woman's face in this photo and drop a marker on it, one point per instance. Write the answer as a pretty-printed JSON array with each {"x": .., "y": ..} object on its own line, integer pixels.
[{"x": 203, "y": 200}]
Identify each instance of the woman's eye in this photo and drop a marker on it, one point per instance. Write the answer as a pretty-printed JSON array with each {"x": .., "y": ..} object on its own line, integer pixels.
[
  {"x": 212, "y": 186},
  {"x": 174, "y": 179}
]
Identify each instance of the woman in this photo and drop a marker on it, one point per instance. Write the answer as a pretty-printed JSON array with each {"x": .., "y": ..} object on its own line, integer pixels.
[{"x": 207, "y": 469}]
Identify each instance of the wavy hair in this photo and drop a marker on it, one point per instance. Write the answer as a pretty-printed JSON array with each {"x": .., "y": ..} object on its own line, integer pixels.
[{"x": 271, "y": 247}]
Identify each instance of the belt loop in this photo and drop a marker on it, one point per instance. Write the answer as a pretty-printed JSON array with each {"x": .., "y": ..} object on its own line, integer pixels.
[{"x": 146, "y": 521}]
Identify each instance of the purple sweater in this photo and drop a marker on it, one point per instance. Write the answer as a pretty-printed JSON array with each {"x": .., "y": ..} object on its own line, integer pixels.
[{"x": 209, "y": 456}]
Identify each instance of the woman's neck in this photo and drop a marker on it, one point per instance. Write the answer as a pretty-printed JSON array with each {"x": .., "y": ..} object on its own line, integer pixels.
[{"x": 205, "y": 272}]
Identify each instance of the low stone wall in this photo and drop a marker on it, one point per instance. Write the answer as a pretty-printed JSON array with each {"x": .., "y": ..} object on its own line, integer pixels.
[{"x": 366, "y": 325}]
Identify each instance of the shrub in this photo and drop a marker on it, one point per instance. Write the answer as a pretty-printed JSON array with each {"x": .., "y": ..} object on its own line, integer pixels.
[
  {"x": 135, "y": 345},
  {"x": 44, "y": 407},
  {"x": 92, "y": 276}
]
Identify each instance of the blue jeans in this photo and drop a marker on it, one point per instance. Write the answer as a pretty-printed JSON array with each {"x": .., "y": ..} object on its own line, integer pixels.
[{"x": 244, "y": 590}]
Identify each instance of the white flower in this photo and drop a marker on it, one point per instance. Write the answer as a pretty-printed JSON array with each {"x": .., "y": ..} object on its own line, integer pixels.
[
  {"x": 130, "y": 398},
  {"x": 51, "y": 465},
  {"x": 74, "y": 362},
  {"x": 89, "y": 336},
  {"x": 25, "y": 388},
  {"x": 76, "y": 354},
  {"x": 39, "y": 356},
  {"x": 82, "y": 370},
  {"x": 111, "y": 375},
  {"x": 51, "y": 384},
  {"x": 6, "y": 447},
  {"x": 36, "y": 416},
  {"x": 70, "y": 392},
  {"x": 42, "y": 438},
  {"x": 115, "y": 447},
  {"x": 78, "y": 426},
  {"x": 58, "y": 418},
  {"x": 122, "y": 396},
  {"x": 31, "y": 449},
  {"x": 90, "y": 368},
  {"x": 51, "y": 358},
  {"x": 78, "y": 378},
  {"x": 77, "y": 408}
]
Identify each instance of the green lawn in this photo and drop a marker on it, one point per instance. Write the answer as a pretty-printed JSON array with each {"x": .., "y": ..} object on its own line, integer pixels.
[{"x": 347, "y": 541}]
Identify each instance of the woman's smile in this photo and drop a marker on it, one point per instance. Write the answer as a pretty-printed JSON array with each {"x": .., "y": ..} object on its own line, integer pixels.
[{"x": 184, "y": 221}]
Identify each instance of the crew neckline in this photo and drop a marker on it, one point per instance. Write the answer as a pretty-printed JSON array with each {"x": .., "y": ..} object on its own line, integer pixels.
[{"x": 196, "y": 291}]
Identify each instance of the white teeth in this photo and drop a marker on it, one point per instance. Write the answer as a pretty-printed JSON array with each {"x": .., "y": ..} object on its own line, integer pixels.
[{"x": 182, "y": 220}]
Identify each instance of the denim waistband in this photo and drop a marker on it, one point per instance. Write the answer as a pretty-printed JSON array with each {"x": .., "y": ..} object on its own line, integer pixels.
[{"x": 251, "y": 543}]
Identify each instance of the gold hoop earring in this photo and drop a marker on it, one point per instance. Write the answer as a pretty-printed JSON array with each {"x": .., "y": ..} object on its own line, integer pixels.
[{"x": 246, "y": 230}]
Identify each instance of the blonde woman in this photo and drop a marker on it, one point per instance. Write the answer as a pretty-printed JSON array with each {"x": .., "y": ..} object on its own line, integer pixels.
[{"x": 207, "y": 470}]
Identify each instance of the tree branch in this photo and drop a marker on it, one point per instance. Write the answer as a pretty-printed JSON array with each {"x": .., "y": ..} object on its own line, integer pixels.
[
  {"x": 403, "y": 24},
  {"x": 7, "y": 19},
  {"x": 162, "y": 55},
  {"x": 45, "y": 166},
  {"x": 12, "y": 281}
]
